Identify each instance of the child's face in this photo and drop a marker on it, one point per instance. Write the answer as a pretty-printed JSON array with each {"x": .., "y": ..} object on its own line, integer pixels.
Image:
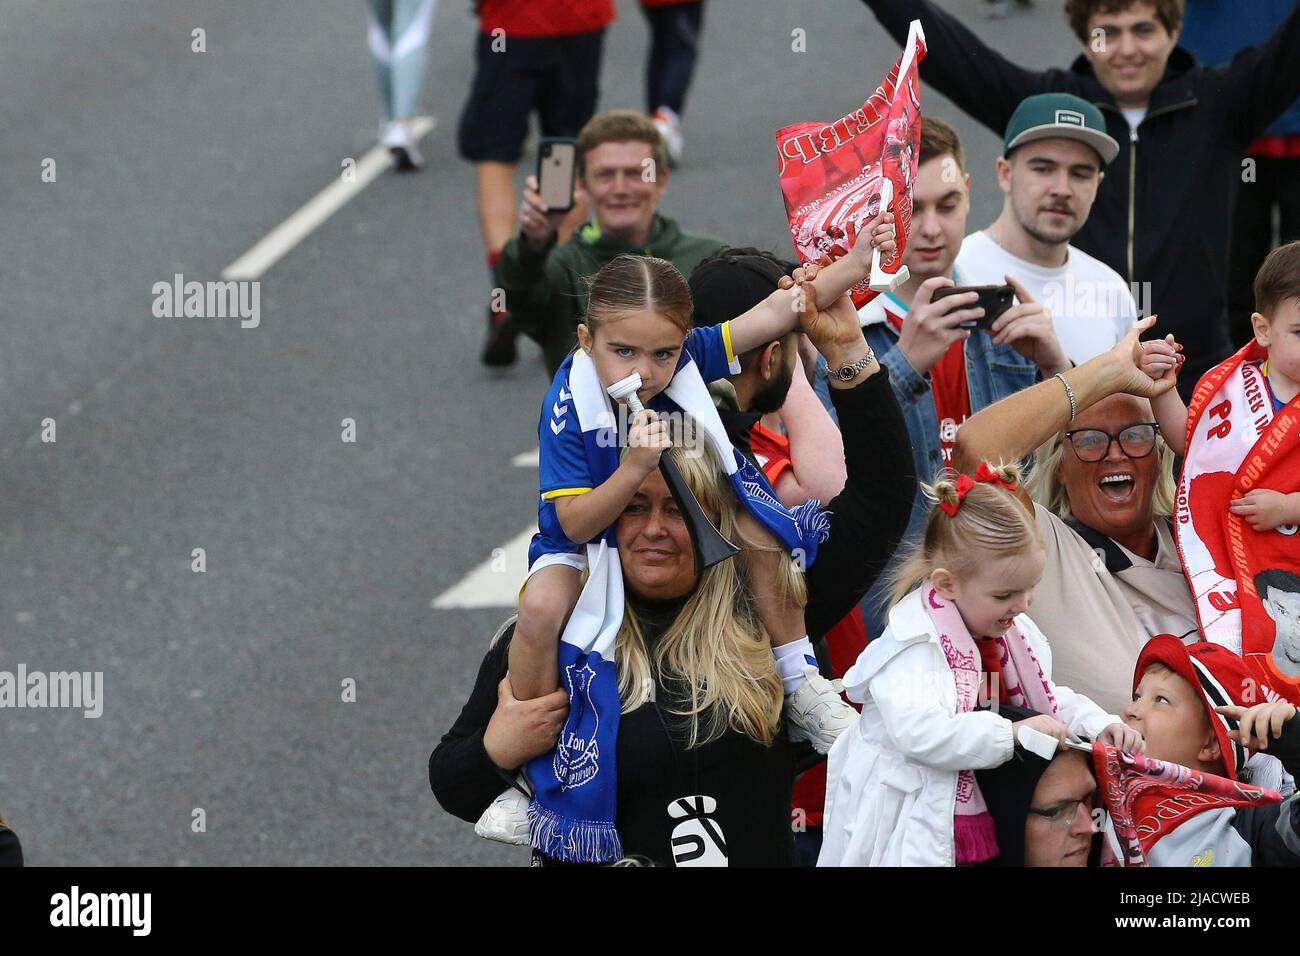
[
  {"x": 995, "y": 592},
  {"x": 643, "y": 342},
  {"x": 1170, "y": 716},
  {"x": 1280, "y": 334}
]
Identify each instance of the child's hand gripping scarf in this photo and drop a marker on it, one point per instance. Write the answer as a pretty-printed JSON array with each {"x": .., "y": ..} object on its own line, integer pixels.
[
  {"x": 1236, "y": 443},
  {"x": 572, "y": 817},
  {"x": 832, "y": 175},
  {"x": 1026, "y": 685},
  {"x": 1147, "y": 799}
]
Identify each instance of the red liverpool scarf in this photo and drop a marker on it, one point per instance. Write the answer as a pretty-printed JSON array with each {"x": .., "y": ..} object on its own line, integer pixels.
[
  {"x": 1236, "y": 443},
  {"x": 1147, "y": 798}
]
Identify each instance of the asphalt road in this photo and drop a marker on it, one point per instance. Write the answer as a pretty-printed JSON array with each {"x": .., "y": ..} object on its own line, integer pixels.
[{"x": 222, "y": 690}]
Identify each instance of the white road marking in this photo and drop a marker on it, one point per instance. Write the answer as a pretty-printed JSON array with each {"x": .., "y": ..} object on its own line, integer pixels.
[
  {"x": 495, "y": 582},
  {"x": 268, "y": 250}
]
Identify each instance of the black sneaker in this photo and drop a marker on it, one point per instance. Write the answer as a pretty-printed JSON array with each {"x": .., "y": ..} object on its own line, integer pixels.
[{"x": 499, "y": 350}]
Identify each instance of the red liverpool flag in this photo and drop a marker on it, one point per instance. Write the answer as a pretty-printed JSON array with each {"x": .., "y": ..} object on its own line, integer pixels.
[
  {"x": 1148, "y": 798},
  {"x": 835, "y": 176}
]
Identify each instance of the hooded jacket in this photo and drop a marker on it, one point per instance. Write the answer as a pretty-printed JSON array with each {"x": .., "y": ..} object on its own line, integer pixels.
[
  {"x": 1162, "y": 213},
  {"x": 545, "y": 291}
]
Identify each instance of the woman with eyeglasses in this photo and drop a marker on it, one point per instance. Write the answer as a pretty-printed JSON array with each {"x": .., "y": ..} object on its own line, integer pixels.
[{"x": 1102, "y": 492}]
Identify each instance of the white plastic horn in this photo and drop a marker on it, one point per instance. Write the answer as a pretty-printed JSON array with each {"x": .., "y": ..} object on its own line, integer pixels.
[{"x": 625, "y": 389}]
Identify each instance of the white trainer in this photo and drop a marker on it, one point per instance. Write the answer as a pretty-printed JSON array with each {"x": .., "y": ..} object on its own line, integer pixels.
[
  {"x": 506, "y": 819},
  {"x": 670, "y": 128},
  {"x": 817, "y": 713},
  {"x": 396, "y": 136}
]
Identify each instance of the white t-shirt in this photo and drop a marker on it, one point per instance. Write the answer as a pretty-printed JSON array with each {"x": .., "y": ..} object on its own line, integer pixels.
[
  {"x": 1091, "y": 305},
  {"x": 1135, "y": 115}
]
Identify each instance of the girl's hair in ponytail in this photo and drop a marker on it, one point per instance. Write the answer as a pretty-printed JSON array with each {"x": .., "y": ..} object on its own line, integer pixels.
[
  {"x": 989, "y": 523},
  {"x": 629, "y": 284}
]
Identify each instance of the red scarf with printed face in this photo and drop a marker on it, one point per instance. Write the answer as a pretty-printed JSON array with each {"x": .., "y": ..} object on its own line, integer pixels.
[
  {"x": 1235, "y": 443},
  {"x": 1148, "y": 798},
  {"x": 833, "y": 174}
]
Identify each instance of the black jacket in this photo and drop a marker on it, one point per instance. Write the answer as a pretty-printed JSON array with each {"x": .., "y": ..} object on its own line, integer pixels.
[
  {"x": 1162, "y": 213},
  {"x": 749, "y": 784}
]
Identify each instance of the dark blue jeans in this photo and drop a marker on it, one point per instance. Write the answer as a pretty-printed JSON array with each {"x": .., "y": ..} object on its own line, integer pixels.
[{"x": 674, "y": 45}]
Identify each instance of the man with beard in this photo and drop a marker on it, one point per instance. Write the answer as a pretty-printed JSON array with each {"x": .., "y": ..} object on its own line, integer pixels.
[
  {"x": 1054, "y": 151},
  {"x": 807, "y": 461}
]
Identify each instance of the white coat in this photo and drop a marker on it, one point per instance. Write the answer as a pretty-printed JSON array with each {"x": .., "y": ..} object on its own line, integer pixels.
[{"x": 891, "y": 778}]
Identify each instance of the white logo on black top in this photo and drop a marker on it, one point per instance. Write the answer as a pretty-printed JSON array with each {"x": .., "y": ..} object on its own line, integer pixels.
[{"x": 697, "y": 840}]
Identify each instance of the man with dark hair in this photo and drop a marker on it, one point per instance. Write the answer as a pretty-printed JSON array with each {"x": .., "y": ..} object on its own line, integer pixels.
[
  {"x": 622, "y": 173},
  {"x": 1053, "y": 156},
  {"x": 1279, "y": 592},
  {"x": 1161, "y": 215}
]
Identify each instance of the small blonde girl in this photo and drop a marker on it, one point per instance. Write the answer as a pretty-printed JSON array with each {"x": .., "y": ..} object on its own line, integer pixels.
[{"x": 901, "y": 787}]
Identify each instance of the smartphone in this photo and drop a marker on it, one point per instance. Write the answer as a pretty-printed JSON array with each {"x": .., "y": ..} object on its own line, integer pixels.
[
  {"x": 993, "y": 299},
  {"x": 556, "y": 163}
]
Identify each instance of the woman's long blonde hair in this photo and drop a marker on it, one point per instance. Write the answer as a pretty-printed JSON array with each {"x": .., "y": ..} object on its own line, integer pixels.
[
  {"x": 716, "y": 652},
  {"x": 990, "y": 523}
]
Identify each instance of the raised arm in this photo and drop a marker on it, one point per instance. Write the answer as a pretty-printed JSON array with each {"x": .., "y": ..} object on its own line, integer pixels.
[
  {"x": 1013, "y": 428},
  {"x": 983, "y": 83},
  {"x": 817, "y": 467},
  {"x": 1264, "y": 80},
  {"x": 868, "y": 518},
  {"x": 780, "y": 313}
]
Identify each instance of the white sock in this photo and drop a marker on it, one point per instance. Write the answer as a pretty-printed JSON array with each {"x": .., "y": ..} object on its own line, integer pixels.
[{"x": 791, "y": 661}]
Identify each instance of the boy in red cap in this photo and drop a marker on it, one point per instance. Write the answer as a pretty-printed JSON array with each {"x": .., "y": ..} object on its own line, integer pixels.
[{"x": 1201, "y": 707}]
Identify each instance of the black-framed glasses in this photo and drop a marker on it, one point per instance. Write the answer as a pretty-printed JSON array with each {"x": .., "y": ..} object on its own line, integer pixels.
[
  {"x": 1093, "y": 444},
  {"x": 1063, "y": 815}
]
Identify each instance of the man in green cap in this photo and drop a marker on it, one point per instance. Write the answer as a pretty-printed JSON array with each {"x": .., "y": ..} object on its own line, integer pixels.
[
  {"x": 1053, "y": 156},
  {"x": 1162, "y": 213}
]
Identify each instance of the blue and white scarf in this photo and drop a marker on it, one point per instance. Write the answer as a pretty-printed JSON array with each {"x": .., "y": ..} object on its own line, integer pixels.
[{"x": 572, "y": 816}]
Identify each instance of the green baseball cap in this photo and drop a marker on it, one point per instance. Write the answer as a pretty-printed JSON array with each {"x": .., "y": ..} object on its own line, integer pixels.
[{"x": 1059, "y": 116}]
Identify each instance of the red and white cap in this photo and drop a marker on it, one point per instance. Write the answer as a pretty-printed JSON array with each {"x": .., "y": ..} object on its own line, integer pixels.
[{"x": 1219, "y": 676}]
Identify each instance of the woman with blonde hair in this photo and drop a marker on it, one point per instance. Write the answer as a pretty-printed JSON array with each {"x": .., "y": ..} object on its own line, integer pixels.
[
  {"x": 704, "y": 764},
  {"x": 1102, "y": 493}
]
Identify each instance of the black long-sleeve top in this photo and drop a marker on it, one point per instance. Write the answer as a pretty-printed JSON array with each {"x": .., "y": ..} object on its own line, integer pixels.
[
  {"x": 1161, "y": 214},
  {"x": 737, "y": 791}
]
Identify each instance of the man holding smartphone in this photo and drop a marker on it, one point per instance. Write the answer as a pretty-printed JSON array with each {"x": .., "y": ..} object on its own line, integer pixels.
[
  {"x": 622, "y": 173},
  {"x": 942, "y": 373},
  {"x": 1162, "y": 213},
  {"x": 1053, "y": 156}
]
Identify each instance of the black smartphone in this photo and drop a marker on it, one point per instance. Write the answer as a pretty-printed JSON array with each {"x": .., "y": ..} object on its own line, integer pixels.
[
  {"x": 993, "y": 299},
  {"x": 556, "y": 164}
]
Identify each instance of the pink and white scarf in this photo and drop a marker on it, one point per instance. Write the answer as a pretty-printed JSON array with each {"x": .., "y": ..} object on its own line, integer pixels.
[{"x": 1026, "y": 686}]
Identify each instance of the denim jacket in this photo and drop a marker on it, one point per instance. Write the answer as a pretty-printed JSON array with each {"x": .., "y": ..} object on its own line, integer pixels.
[{"x": 992, "y": 372}]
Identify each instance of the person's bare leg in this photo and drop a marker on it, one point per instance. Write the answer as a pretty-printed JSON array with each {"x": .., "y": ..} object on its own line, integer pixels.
[
  {"x": 548, "y": 599},
  {"x": 497, "y": 212}
]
